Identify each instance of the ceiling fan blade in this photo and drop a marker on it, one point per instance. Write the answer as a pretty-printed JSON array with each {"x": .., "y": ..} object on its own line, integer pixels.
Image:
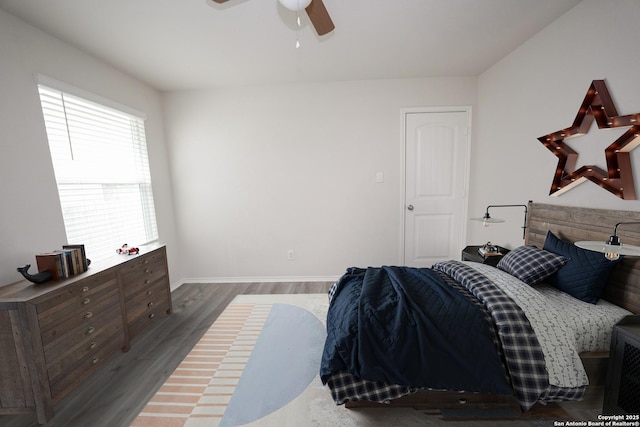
[
  {"x": 320, "y": 17},
  {"x": 220, "y": 1}
]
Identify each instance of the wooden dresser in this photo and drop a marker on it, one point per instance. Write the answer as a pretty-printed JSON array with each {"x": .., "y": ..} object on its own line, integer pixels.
[{"x": 54, "y": 335}]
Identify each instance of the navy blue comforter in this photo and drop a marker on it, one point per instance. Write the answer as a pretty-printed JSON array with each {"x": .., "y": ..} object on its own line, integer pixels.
[{"x": 407, "y": 326}]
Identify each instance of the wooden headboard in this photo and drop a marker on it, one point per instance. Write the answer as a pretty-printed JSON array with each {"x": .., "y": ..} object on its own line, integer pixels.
[{"x": 573, "y": 224}]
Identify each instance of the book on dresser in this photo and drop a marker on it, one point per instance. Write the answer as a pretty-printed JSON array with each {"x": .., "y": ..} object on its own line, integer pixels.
[
  {"x": 63, "y": 263},
  {"x": 52, "y": 262},
  {"x": 80, "y": 253}
]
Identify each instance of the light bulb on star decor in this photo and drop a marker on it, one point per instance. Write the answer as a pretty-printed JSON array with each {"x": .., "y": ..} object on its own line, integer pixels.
[{"x": 295, "y": 5}]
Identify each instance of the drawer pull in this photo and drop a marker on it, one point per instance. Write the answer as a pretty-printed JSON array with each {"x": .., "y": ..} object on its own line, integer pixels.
[
  {"x": 147, "y": 270},
  {"x": 146, "y": 261},
  {"x": 86, "y": 301},
  {"x": 90, "y": 330},
  {"x": 152, "y": 315},
  {"x": 149, "y": 292},
  {"x": 88, "y": 315},
  {"x": 84, "y": 289},
  {"x": 150, "y": 304},
  {"x": 92, "y": 345},
  {"x": 95, "y": 360},
  {"x": 147, "y": 281}
]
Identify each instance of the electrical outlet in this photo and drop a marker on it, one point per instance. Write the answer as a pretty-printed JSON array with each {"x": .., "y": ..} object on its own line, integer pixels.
[{"x": 291, "y": 255}]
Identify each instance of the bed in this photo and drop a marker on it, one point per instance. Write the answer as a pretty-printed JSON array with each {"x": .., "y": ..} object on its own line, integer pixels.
[{"x": 536, "y": 328}]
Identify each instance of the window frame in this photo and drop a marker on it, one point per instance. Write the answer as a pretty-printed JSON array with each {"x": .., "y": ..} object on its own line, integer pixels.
[{"x": 140, "y": 188}]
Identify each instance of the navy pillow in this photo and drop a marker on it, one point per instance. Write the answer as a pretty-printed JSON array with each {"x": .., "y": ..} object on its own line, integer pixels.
[
  {"x": 530, "y": 264},
  {"x": 586, "y": 273}
]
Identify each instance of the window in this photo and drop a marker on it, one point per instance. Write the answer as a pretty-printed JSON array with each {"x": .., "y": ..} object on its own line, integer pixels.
[{"x": 99, "y": 156}]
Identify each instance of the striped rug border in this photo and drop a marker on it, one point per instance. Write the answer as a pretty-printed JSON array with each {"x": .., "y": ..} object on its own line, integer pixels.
[{"x": 198, "y": 391}]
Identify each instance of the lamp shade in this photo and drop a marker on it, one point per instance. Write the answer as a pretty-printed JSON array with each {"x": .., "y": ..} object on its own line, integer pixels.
[
  {"x": 610, "y": 250},
  {"x": 295, "y": 5},
  {"x": 489, "y": 220}
]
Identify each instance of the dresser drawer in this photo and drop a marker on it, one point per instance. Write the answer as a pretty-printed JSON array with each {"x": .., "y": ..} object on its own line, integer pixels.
[
  {"x": 63, "y": 360},
  {"x": 108, "y": 319},
  {"x": 143, "y": 273},
  {"x": 83, "y": 368},
  {"x": 139, "y": 324},
  {"x": 79, "y": 296},
  {"x": 152, "y": 300},
  {"x": 83, "y": 315}
]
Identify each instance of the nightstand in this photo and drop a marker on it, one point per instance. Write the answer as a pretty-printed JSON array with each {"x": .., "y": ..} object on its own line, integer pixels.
[
  {"x": 622, "y": 389},
  {"x": 470, "y": 253}
]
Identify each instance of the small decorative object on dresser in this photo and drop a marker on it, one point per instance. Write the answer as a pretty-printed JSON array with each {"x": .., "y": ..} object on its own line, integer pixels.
[
  {"x": 40, "y": 277},
  {"x": 127, "y": 250},
  {"x": 54, "y": 335}
]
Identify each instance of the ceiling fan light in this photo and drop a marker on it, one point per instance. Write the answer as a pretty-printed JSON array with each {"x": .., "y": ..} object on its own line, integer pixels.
[{"x": 295, "y": 5}]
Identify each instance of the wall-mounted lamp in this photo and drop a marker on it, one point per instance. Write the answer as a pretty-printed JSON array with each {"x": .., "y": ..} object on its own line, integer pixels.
[
  {"x": 488, "y": 219},
  {"x": 612, "y": 248}
]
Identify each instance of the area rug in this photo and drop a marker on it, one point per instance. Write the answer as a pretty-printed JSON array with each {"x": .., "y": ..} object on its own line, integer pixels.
[
  {"x": 262, "y": 352},
  {"x": 258, "y": 365}
]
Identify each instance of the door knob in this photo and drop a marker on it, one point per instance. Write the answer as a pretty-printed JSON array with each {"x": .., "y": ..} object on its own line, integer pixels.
[{"x": 410, "y": 207}]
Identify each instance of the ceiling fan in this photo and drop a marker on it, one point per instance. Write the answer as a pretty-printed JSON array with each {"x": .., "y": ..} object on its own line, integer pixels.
[{"x": 315, "y": 9}]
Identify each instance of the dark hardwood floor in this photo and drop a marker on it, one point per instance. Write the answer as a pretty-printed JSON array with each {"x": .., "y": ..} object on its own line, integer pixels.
[{"x": 115, "y": 394}]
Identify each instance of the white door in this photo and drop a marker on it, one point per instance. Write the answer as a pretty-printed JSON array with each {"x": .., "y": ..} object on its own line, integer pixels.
[{"x": 436, "y": 176}]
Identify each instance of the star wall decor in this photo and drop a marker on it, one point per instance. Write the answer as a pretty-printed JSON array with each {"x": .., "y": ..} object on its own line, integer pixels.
[{"x": 618, "y": 178}]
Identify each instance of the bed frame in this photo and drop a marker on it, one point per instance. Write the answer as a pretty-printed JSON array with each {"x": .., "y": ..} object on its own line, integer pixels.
[
  {"x": 573, "y": 224},
  {"x": 570, "y": 224}
]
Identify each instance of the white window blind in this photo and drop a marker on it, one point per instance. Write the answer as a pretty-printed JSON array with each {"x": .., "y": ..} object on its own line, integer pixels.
[{"x": 100, "y": 160}]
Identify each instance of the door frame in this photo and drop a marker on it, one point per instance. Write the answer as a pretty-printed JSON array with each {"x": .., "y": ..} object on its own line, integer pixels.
[{"x": 403, "y": 167}]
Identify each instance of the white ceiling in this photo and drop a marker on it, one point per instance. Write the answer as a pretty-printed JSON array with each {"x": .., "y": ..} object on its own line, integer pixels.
[{"x": 192, "y": 44}]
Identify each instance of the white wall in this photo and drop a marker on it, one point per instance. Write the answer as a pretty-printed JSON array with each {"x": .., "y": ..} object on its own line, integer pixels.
[
  {"x": 537, "y": 90},
  {"x": 30, "y": 214},
  {"x": 262, "y": 170},
  {"x": 258, "y": 171}
]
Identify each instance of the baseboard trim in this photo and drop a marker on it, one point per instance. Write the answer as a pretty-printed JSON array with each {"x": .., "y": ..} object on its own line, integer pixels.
[{"x": 269, "y": 279}]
